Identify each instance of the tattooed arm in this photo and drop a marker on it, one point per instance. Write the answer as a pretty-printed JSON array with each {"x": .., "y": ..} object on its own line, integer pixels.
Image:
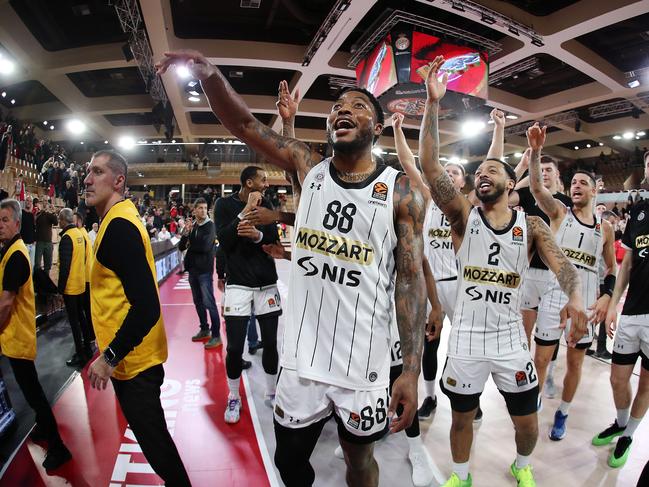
[
  {"x": 287, "y": 153},
  {"x": 410, "y": 298},
  {"x": 455, "y": 206},
  {"x": 552, "y": 207},
  {"x": 542, "y": 239}
]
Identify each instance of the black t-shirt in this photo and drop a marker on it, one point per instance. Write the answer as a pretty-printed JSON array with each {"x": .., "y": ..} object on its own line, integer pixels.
[
  {"x": 528, "y": 203},
  {"x": 636, "y": 240},
  {"x": 16, "y": 271}
]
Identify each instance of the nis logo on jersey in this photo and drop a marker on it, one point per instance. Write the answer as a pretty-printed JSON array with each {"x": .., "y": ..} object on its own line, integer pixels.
[
  {"x": 579, "y": 257},
  {"x": 329, "y": 272},
  {"x": 335, "y": 246},
  {"x": 482, "y": 275}
]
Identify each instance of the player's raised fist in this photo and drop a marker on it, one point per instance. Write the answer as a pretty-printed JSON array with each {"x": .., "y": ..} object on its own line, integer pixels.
[
  {"x": 397, "y": 120},
  {"x": 498, "y": 117},
  {"x": 536, "y": 136},
  {"x": 197, "y": 64}
]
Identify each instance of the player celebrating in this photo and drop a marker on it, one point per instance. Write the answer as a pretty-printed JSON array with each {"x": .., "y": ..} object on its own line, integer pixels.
[
  {"x": 631, "y": 334},
  {"x": 493, "y": 245},
  {"x": 359, "y": 221},
  {"x": 585, "y": 239}
]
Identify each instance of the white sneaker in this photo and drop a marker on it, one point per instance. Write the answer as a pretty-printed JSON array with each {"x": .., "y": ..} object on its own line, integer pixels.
[
  {"x": 269, "y": 399},
  {"x": 232, "y": 412},
  {"x": 338, "y": 453},
  {"x": 549, "y": 389},
  {"x": 422, "y": 467}
]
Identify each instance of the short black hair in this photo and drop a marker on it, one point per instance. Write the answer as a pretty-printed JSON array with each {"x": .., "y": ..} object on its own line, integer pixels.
[
  {"x": 80, "y": 217},
  {"x": 200, "y": 201},
  {"x": 378, "y": 109},
  {"x": 248, "y": 172},
  {"x": 587, "y": 173},
  {"x": 508, "y": 169},
  {"x": 549, "y": 160},
  {"x": 116, "y": 162}
]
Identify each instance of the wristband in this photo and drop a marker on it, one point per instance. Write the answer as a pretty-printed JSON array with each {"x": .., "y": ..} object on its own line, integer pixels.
[{"x": 608, "y": 286}]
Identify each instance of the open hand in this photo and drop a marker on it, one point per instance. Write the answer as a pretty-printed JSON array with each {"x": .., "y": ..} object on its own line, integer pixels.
[
  {"x": 286, "y": 104},
  {"x": 404, "y": 392},
  {"x": 575, "y": 312},
  {"x": 198, "y": 65},
  {"x": 611, "y": 321},
  {"x": 599, "y": 309},
  {"x": 99, "y": 372},
  {"x": 245, "y": 229},
  {"x": 260, "y": 215},
  {"x": 436, "y": 88},
  {"x": 275, "y": 250}
]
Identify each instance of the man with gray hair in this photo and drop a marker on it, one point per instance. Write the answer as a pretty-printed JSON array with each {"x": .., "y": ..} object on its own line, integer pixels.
[
  {"x": 18, "y": 330},
  {"x": 72, "y": 285}
]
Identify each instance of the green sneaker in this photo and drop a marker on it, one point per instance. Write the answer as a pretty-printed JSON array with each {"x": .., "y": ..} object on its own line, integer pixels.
[
  {"x": 606, "y": 436},
  {"x": 213, "y": 343},
  {"x": 455, "y": 481},
  {"x": 523, "y": 476},
  {"x": 620, "y": 453},
  {"x": 202, "y": 336}
]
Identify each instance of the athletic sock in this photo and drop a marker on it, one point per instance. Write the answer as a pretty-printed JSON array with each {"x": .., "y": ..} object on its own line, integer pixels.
[
  {"x": 631, "y": 426},
  {"x": 271, "y": 381},
  {"x": 623, "y": 417},
  {"x": 564, "y": 407},
  {"x": 462, "y": 470},
  {"x": 522, "y": 461},
  {"x": 233, "y": 385},
  {"x": 430, "y": 388},
  {"x": 415, "y": 443}
]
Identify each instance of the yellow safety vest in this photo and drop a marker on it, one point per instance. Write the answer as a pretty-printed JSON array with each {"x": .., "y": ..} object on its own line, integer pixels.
[
  {"x": 89, "y": 256},
  {"x": 109, "y": 305},
  {"x": 18, "y": 340},
  {"x": 76, "y": 283}
]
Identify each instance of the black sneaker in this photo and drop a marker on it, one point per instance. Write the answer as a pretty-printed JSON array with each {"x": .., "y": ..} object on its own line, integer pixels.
[
  {"x": 427, "y": 407},
  {"x": 252, "y": 349},
  {"x": 245, "y": 364},
  {"x": 606, "y": 436},
  {"x": 621, "y": 452},
  {"x": 56, "y": 456},
  {"x": 478, "y": 415},
  {"x": 590, "y": 351},
  {"x": 37, "y": 435},
  {"x": 605, "y": 354}
]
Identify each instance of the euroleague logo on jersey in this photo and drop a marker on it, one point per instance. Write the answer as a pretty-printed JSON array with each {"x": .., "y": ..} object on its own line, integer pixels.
[
  {"x": 517, "y": 234},
  {"x": 380, "y": 191}
]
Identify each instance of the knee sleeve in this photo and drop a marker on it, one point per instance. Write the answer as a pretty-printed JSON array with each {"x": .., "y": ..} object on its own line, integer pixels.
[
  {"x": 236, "y": 332},
  {"x": 429, "y": 359},
  {"x": 269, "y": 357}
]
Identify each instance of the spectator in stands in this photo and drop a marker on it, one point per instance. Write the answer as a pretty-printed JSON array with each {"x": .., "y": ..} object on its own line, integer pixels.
[
  {"x": 157, "y": 218},
  {"x": 59, "y": 184},
  {"x": 88, "y": 244},
  {"x": 45, "y": 220},
  {"x": 195, "y": 161},
  {"x": 615, "y": 209},
  {"x": 18, "y": 331},
  {"x": 28, "y": 229},
  {"x": 198, "y": 240},
  {"x": 19, "y": 190},
  {"x": 72, "y": 285},
  {"x": 70, "y": 197},
  {"x": 164, "y": 234},
  {"x": 600, "y": 208},
  {"x": 93, "y": 233},
  {"x": 206, "y": 162}
]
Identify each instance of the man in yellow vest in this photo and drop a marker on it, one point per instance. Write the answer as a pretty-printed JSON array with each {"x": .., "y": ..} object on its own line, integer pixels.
[
  {"x": 72, "y": 284},
  {"x": 18, "y": 330},
  {"x": 78, "y": 221},
  {"x": 127, "y": 316}
]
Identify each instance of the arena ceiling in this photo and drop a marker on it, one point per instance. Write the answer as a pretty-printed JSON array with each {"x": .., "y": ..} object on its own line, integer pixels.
[{"x": 71, "y": 64}]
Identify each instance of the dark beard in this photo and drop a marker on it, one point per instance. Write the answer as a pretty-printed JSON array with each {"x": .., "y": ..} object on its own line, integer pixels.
[
  {"x": 359, "y": 144},
  {"x": 491, "y": 197}
]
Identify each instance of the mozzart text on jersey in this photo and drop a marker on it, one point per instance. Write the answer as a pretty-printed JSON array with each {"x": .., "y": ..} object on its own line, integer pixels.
[
  {"x": 335, "y": 246},
  {"x": 491, "y": 276}
]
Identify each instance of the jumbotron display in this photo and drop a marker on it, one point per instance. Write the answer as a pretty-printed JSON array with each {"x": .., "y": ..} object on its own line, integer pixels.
[{"x": 396, "y": 69}]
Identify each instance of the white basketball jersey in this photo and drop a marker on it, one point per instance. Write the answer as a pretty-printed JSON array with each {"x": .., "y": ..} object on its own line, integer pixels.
[
  {"x": 487, "y": 323},
  {"x": 438, "y": 246},
  {"x": 337, "y": 329},
  {"x": 582, "y": 245}
]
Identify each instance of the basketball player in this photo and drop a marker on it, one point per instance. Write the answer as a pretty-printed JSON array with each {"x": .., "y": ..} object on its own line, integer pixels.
[
  {"x": 359, "y": 222},
  {"x": 584, "y": 239},
  {"x": 631, "y": 334},
  {"x": 493, "y": 245}
]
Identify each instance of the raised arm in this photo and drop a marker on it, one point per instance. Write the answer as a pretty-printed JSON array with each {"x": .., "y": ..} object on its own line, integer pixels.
[
  {"x": 410, "y": 298},
  {"x": 407, "y": 159},
  {"x": 286, "y": 153},
  {"x": 522, "y": 166},
  {"x": 497, "y": 148},
  {"x": 455, "y": 206},
  {"x": 550, "y": 206},
  {"x": 566, "y": 274}
]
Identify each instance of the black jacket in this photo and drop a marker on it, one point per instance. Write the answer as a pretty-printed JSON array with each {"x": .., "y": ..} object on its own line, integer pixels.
[
  {"x": 65, "y": 257},
  {"x": 200, "y": 248},
  {"x": 246, "y": 262},
  {"x": 28, "y": 227}
]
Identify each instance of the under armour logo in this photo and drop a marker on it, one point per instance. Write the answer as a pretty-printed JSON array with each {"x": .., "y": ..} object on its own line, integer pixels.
[
  {"x": 475, "y": 231},
  {"x": 316, "y": 186}
]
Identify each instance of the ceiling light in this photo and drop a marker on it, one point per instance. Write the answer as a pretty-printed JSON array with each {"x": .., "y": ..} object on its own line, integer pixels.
[
  {"x": 490, "y": 121},
  {"x": 45, "y": 122},
  {"x": 126, "y": 142},
  {"x": 471, "y": 128},
  {"x": 51, "y": 127},
  {"x": 173, "y": 141},
  {"x": 601, "y": 144},
  {"x": 75, "y": 126},
  {"x": 463, "y": 161},
  {"x": 576, "y": 147},
  {"x": 518, "y": 154},
  {"x": 191, "y": 84},
  {"x": 377, "y": 150},
  {"x": 214, "y": 141},
  {"x": 454, "y": 160},
  {"x": 105, "y": 142},
  {"x": 6, "y": 66},
  {"x": 628, "y": 135},
  {"x": 194, "y": 93},
  {"x": 617, "y": 137},
  {"x": 4, "y": 94},
  {"x": 183, "y": 72},
  {"x": 587, "y": 146},
  {"x": 633, "y": 83},
  {"x": 641, "y": 134},
  {"x": 13, "y": 102},
  {"x": 81, "y": 142},
  {"x": 511, "y": 116},
  {"x": 194, "y": 99}
]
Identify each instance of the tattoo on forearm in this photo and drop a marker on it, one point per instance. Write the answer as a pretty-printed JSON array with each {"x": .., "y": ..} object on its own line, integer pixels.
[
  {"x": 443, "y": 190},
  {"x": 431, "y": 129},
  {"x": 288, "y": 128}
]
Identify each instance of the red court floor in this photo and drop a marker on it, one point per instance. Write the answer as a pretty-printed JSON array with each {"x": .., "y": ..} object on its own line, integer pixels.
[{"x": 194, "y": 395}]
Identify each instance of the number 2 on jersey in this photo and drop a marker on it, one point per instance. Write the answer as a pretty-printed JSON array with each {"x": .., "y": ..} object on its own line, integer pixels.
[{"x": 495, "y": 250}]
